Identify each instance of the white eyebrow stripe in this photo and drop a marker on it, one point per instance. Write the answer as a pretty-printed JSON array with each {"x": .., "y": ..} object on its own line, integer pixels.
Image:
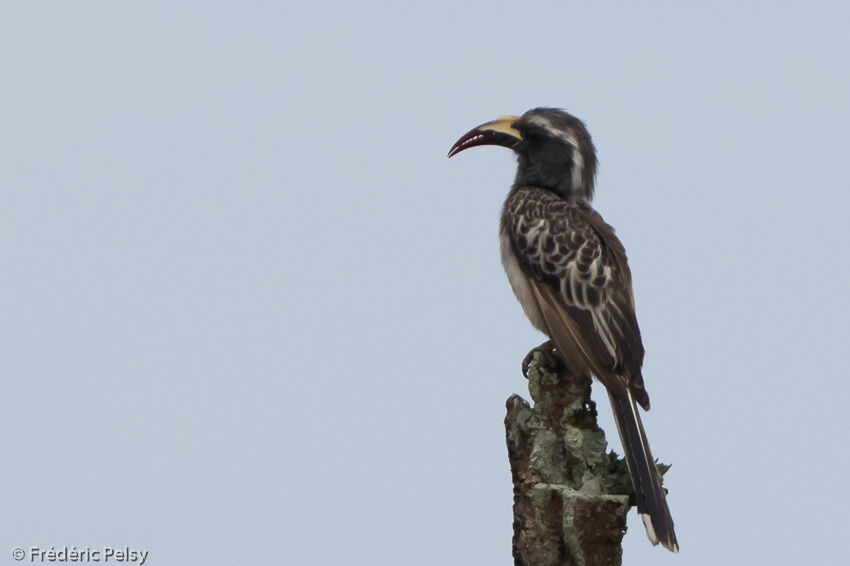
[{"x": 543, "y": 122}]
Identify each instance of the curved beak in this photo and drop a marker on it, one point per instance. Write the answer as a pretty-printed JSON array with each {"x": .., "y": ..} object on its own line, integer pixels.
[{"x": 498, "y": 132}]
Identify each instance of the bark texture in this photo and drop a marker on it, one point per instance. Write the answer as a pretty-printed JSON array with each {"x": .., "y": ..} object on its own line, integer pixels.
[{"x": 571, "y": 495}]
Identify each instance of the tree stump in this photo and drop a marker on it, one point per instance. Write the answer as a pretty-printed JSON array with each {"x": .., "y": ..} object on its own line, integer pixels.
[{"x": 571, "y": 495}]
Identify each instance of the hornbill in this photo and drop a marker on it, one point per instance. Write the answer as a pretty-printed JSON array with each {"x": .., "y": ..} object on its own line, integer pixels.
[{"x": 569, "y": 272}]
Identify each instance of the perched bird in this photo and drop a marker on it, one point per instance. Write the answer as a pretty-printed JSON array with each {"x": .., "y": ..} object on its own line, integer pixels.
[{"x": 570, "y": 274}]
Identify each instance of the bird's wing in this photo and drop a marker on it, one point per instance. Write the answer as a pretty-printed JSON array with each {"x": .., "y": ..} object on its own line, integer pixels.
[{"x": 577, "y": 270}]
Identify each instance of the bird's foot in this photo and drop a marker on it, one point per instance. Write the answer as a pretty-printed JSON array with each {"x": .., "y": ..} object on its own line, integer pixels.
[{"x": 549, "y": 358}]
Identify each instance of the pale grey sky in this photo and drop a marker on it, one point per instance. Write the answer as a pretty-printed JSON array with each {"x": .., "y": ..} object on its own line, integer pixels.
[{"x": 252, "y": 314}]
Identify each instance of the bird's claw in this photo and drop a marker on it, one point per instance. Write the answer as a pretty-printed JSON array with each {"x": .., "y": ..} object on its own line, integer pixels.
[{"x": 549, "y": 357}]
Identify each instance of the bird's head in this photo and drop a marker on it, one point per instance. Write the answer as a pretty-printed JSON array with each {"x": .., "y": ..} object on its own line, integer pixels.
[{"x": 554, "y": 150}]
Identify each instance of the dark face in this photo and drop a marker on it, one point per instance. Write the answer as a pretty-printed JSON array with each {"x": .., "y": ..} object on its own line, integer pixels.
[{"x": 556, "y": 153}]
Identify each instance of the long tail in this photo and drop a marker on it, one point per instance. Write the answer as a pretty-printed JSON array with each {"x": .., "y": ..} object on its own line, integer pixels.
[{"x": 650, "y": 497}]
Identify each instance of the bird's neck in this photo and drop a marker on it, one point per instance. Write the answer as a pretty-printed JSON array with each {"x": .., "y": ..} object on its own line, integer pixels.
[{"x": 558, "y": 180}]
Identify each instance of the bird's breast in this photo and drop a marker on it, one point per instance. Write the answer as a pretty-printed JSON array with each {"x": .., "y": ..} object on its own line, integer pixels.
[{"x": 519, "y": 281}]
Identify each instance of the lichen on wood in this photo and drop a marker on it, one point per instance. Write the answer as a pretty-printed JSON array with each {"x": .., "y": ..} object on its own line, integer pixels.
[{"x": 571, "y": 496}]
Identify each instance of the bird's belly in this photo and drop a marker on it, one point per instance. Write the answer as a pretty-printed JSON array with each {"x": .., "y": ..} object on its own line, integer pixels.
[{"x": 519, "y": 283}]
